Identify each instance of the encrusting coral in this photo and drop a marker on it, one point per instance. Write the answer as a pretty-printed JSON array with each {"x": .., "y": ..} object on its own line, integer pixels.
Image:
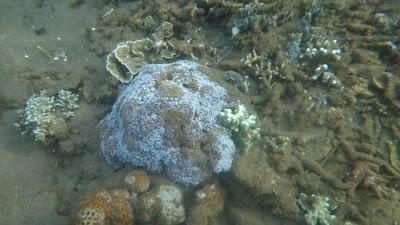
[
  {"x": 105, "y": 208},
  {"x": 125, "y": 61},
  {"x": 94, "y": 209}
]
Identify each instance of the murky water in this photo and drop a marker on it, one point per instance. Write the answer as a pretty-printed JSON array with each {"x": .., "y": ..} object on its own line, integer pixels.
[{"x": 312, "y": 112}]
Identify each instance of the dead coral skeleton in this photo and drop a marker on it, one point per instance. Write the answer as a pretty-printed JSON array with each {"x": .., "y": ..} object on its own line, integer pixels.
[{"x": 264, "y": 70}]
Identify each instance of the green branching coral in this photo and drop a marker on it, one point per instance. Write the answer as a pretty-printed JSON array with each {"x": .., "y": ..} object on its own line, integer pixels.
[
  {"x": 42, "y": 112},
  {"x": 241, "y": 124},
  {"x": 318, "y": 209}
]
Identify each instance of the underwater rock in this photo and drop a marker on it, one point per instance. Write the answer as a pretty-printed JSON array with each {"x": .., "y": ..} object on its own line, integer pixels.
[
  {"x": 208, "y": 204},
  {"x": 165, "y": 120},
  {"x": 237, "y": 80},
  {"x": 253, "y": 171}
]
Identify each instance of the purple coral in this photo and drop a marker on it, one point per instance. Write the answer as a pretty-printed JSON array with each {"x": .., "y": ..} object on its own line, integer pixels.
[{"x": 165, "y": 120}]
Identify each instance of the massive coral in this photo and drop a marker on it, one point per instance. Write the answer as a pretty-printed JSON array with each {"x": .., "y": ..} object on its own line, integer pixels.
[{"x": 165, "y": 120}]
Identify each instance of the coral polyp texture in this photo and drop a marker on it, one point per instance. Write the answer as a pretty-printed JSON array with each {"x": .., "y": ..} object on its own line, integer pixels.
[
  {"x": 104, "y": 208},
  {"x": 165, "y": 120},
  {"x": 162, "y": 205}
]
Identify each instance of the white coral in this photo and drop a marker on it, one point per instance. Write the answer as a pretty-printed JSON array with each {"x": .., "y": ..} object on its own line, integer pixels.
[
  {"x": 42, "y": 111},
  {"x": 67, "y": 102},
  {"x": 241, "y": 124}
]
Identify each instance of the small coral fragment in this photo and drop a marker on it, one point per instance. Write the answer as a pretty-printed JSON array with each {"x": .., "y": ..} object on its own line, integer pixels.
[
  {"x": 318, "y": 209},
  {"x": 241, "y": 125},
  {"x": 43, "y": 115}
]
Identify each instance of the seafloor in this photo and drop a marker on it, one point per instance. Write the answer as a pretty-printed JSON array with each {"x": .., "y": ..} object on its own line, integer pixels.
[{"x": 323, "y": 78}]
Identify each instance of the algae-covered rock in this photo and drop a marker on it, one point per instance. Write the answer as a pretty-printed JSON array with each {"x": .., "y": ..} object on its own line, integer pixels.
[
  {"x": 165, "y": 120},
  {"x": 208, "y": 204},
  {"x": 253, "y": 171}
]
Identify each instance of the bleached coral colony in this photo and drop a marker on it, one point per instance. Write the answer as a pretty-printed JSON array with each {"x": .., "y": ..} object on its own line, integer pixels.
[
  {"x": 42, "y": 112},
  {"x": 165, "y": 120}
]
